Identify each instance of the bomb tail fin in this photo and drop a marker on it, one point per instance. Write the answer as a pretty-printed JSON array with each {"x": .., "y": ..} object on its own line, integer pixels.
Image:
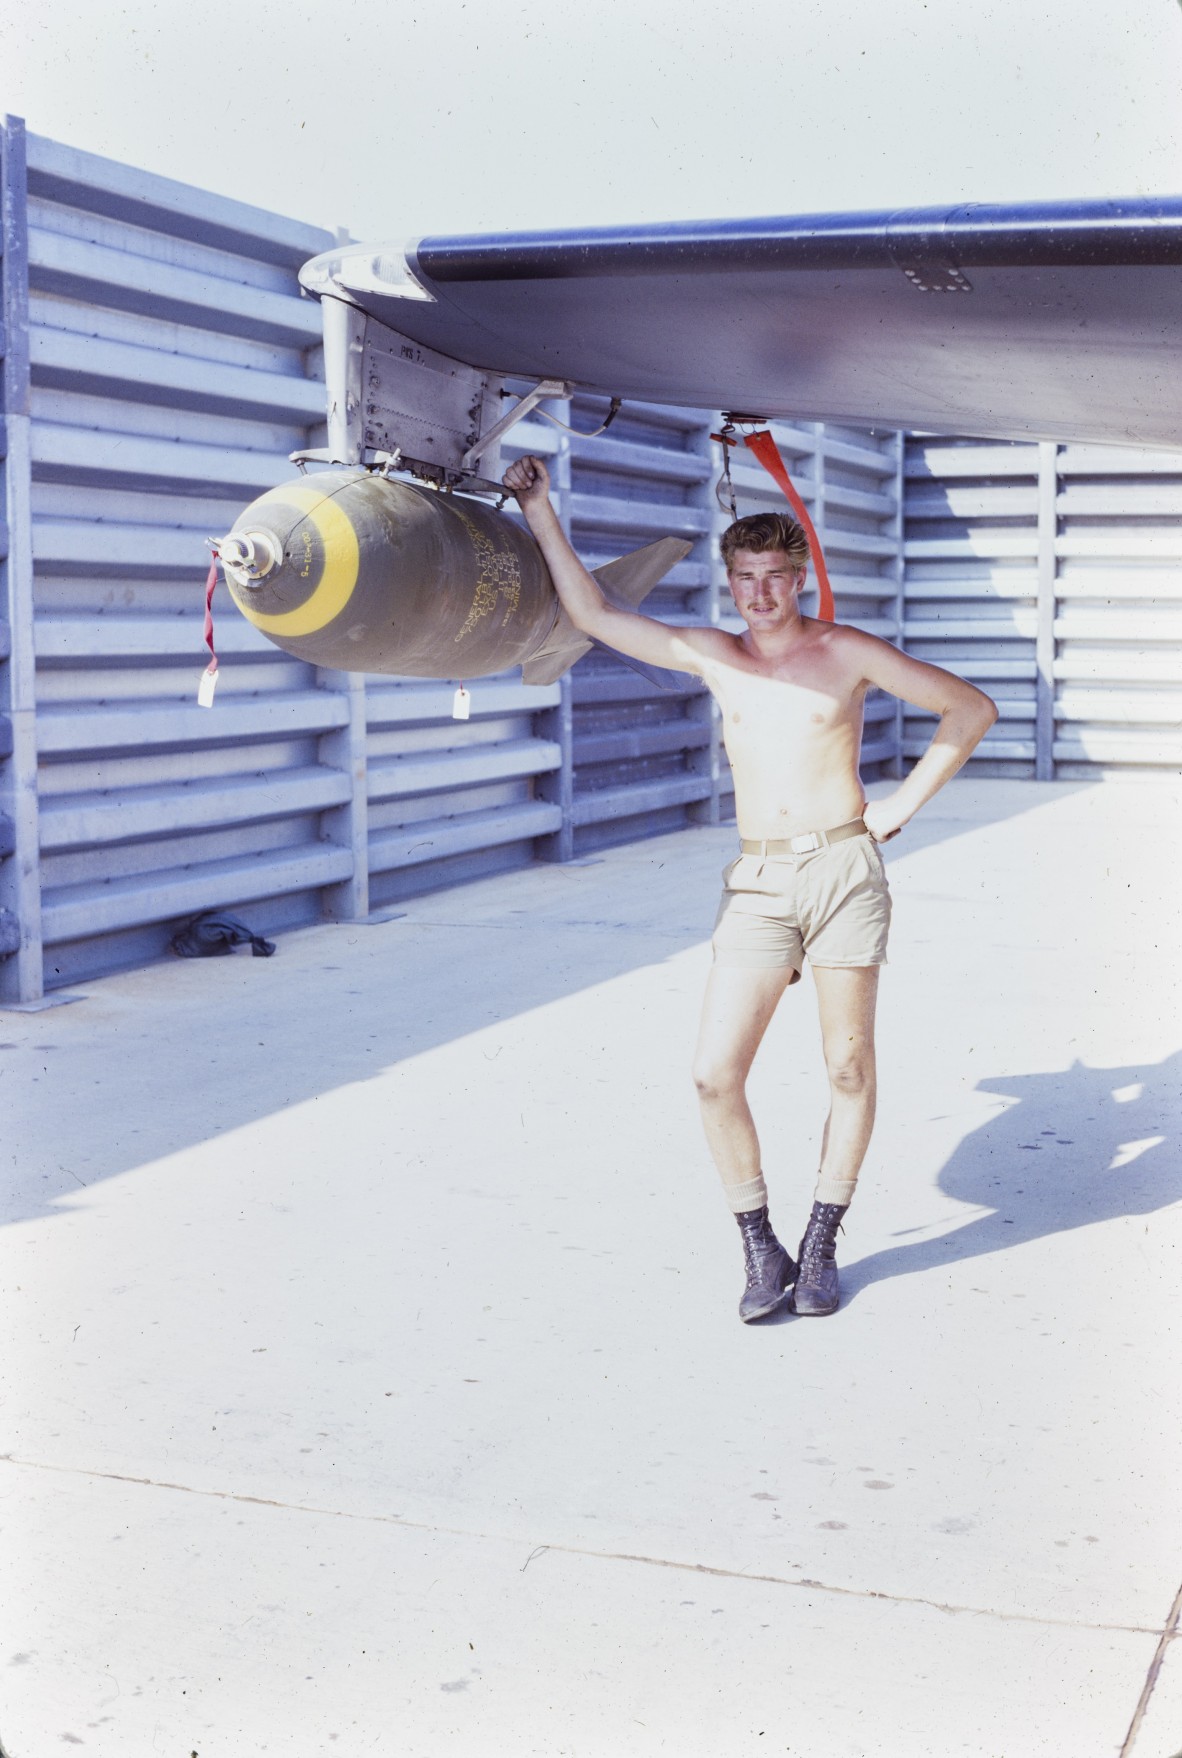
[{"x": 626, "y": 582}]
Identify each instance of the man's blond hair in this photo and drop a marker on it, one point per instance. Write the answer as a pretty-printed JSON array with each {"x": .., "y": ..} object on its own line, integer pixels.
[{"x": 761, "y": 532}]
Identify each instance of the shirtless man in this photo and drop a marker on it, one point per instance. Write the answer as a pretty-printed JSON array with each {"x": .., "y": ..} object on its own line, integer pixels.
[{"x": 810, "y": 877}]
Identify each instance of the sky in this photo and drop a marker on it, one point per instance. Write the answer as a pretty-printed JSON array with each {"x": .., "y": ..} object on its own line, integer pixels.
[{"x": 399, "y": 118}]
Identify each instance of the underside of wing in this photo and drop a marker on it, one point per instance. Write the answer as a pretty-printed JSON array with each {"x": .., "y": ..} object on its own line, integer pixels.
[{"x": 1055, "y": 321}]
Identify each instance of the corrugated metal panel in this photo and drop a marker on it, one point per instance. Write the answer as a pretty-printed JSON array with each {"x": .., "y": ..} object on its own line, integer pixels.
[
  {"x": 1052, "y": 576},
  {"x": 1118, "y": 611},
  {"x": 172, "y": 368},
  {"x": 20, "y": 879},
  {"x": 971, "y": 557},
  {"x": 643, "y": 758},
  {"x": 451, "y": 799}
]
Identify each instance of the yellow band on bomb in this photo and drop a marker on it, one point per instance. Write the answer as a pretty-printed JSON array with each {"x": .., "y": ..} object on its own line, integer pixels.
[{"x": 338, "y": 576}]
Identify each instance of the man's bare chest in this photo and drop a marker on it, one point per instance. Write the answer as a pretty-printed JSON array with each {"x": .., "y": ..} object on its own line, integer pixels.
[{"x": 786, "y": 715}]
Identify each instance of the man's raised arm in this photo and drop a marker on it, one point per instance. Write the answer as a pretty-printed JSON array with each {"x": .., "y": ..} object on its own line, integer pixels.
[{"x": 628, "y": 632}]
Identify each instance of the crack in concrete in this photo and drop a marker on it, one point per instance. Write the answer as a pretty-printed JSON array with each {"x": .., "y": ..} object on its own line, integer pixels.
[
  {"x": 1166, "y": 1633},
  {"x": 1155, "y": 1665}
]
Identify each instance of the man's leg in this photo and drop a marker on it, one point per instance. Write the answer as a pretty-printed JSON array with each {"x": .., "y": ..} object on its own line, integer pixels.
[
  {"x": 738, "y": 1006},
  {"x": 736, "y": 1012},
  {"x": 846, "y": 1002}
]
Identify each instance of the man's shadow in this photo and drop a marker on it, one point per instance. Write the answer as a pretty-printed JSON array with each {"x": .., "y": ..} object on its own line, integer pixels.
[{"x": 1079, "y": 1146}]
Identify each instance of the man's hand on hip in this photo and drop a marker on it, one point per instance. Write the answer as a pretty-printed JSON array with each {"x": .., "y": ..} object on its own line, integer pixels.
[{"x": 882, "y": 819}]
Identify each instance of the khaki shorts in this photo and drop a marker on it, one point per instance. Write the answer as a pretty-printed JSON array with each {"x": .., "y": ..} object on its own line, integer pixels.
[{"x": 833, "y": 903}]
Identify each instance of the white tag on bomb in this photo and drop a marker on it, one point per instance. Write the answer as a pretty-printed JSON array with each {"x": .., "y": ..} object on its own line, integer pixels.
[
  {"x": 206, "y": 688},
  {"x": 461, "y": 706}
]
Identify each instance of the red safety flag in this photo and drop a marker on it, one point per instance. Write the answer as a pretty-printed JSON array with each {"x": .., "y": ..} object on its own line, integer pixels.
[
  {"x": 209, "y": 676},
  {"x": 766, "y": 450}
]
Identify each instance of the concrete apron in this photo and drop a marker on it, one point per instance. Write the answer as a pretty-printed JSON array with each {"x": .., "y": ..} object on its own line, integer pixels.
[{"x": 375, "y": 1381}]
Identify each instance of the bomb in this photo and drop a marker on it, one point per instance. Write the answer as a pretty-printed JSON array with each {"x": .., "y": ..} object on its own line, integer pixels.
[{"x": 360, "y": 572}]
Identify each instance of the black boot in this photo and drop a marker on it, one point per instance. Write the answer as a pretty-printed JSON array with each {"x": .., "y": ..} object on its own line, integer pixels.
[
  {"x": 817, "y": 1291},
  {"x": 770, "y": 1271}
]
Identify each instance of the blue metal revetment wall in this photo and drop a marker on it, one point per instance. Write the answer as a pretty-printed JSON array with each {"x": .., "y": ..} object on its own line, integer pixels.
[
  {"x": 171, "y": 367},
  {"x": 159, "y": 365}
]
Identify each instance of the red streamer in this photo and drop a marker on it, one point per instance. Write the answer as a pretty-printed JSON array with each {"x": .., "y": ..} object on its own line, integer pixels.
[
  {"x": 766, "y": 450},
  {"x": 211, "y": 580}
]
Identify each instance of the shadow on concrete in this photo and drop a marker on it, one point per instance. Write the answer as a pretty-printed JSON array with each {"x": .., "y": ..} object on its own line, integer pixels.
[
  {"x": 180, "y": 1054},
  {"x": 1077, "y": 1147}
]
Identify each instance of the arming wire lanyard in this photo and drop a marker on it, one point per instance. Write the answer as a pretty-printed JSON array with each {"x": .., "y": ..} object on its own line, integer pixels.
[{"x": 764, "y": 447}]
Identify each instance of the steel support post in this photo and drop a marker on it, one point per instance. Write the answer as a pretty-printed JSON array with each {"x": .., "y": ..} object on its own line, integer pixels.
[
  {"x": 817, "y": 509},
  {"x": 346, "y": 749},
  {"x": 1048, "y": 530},
  {"x": 344, "y": 342},
  {"x": 707, "y": 609},
  {"x": 21, "y": 960},
  {"x": 895, "y": 763},
  {"x": 347, "y": 825},
  {"x": 557, "y": 723}
]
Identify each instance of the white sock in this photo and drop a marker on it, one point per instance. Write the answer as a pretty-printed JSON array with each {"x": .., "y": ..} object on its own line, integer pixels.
[
  {"x": 835, "y": 1190},
  {"x": 745, "y": 1197}
]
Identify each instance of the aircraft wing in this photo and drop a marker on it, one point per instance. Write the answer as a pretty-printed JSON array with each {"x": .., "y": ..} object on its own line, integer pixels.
[{"x": 1058, "y": 320}]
